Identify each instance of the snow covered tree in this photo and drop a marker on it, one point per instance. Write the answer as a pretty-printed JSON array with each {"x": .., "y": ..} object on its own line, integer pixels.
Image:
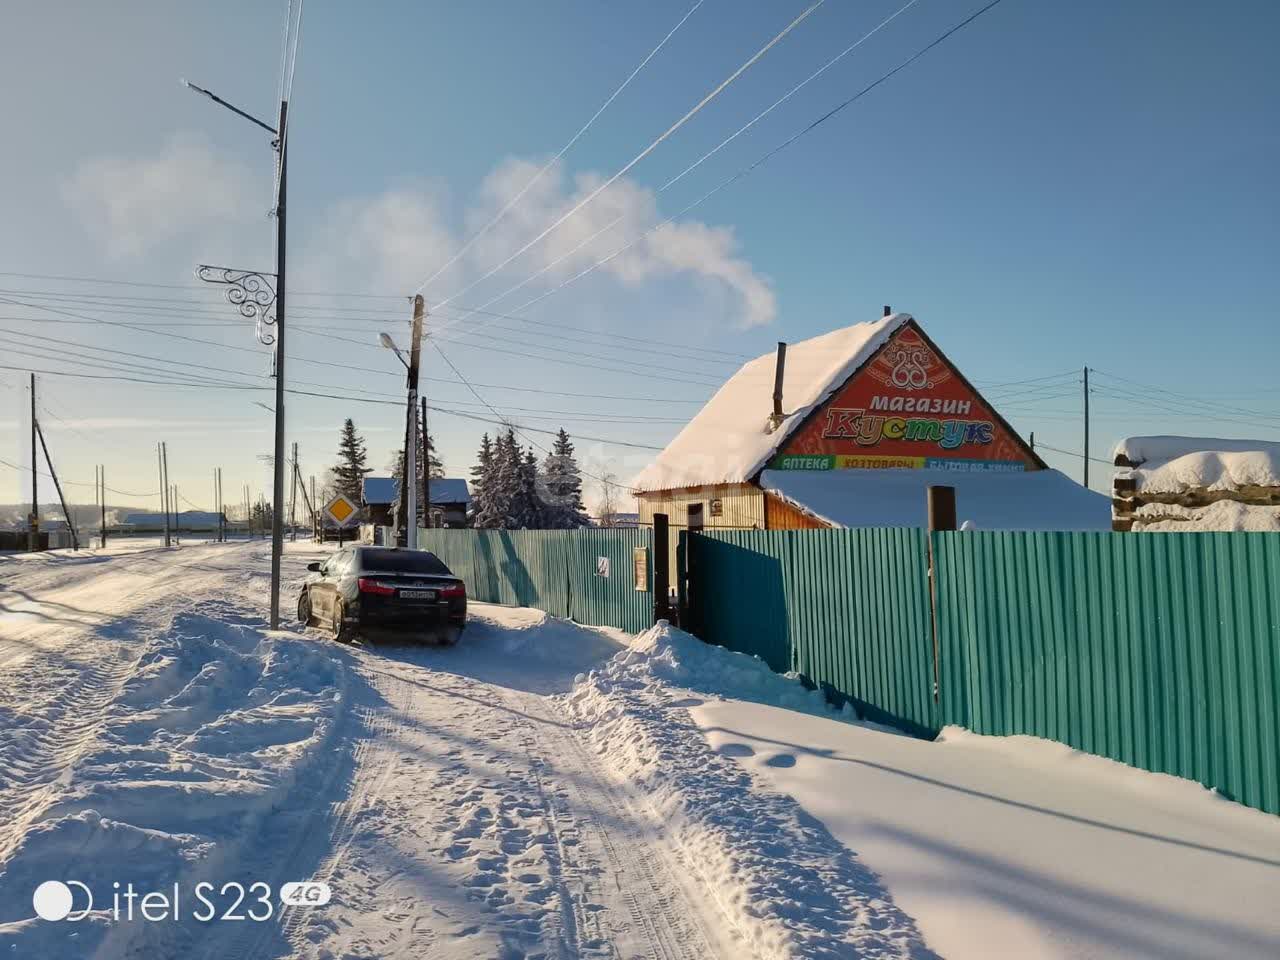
[
  {"x": 562, "y": 487},
  {"x": 481, "y": 474},
  {"x": 349, "y": 472},
  {"x": 528, "y": 512}
]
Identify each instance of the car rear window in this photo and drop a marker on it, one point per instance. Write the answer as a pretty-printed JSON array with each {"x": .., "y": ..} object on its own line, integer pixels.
[{"x": 402, "y": 561}]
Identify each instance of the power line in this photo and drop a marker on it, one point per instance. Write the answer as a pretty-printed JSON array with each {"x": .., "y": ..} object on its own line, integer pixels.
[
  {"x": 747, "y": 170},
  {"x": 1072, "y": 453},
  {"x": 716, "y": 149},
  {"x": 693, "y": 111},
  {"x": 563, "y": 150}
]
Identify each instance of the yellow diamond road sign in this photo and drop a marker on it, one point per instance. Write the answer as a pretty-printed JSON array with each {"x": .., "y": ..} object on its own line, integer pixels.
[{"x": 341, "y": 509}]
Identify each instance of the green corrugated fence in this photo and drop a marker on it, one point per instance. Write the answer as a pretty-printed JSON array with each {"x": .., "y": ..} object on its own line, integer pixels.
[
  {"x": 846, "y": 609},
  {"x": 553, "y": 570},
  {"x": 1159, "y": 650}
]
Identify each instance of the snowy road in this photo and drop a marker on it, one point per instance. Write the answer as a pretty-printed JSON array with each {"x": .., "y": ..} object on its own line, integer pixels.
[
  {"x": 546, "y": 790},
  {"x": 161, "y": 736}
]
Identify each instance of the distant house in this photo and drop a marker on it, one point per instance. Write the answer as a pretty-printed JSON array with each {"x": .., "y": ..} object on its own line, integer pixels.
[
  {"x": 378, "y": 497},
  {"x": 618, "y": 520},
  {"x": 1196, "y": 484},
  {"x": 184, "y": 520},
  {"x": 450, "y": 500}
]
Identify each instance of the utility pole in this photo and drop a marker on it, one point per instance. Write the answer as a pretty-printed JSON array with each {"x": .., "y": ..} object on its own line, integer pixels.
[
  {"x": 222, "y": 510},
  {"x": 102, "y": 474},
  {"x": 33, "y": 528},
  {"x": 315, "y": 512},
  {"x": 164, "y": 491},
  {"x": 177, "y": 515},
  {"x": 410, "y": 485},
  {"x": 1086, "y": 427},
  {"x": 293, "y": 495},
  {"x": 426, "y": 465}
]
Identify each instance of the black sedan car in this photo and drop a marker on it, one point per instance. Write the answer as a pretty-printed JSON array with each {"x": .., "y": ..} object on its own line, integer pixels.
[{"x": 373, "y": 589}]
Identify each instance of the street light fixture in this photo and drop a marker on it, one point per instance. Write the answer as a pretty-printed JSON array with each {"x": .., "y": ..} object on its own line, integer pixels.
[
  {"x": 386, "y": 341},
  {"x": 260, "y": 295}
]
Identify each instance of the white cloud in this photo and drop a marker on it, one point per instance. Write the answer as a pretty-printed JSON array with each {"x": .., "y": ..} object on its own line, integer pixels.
[
  {"x": 384, "y": 242},
  {"x": 626, "y": 210},
  {"x": 134, "y": 204}
]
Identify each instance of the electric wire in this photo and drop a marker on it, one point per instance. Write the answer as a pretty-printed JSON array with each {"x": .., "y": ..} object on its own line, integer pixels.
[
  {"x": 563, "y": 150},
  {"x": 713, "y": 151},
  {"x": 693, "y": 111},
  {"x": 747, "y": 170}
]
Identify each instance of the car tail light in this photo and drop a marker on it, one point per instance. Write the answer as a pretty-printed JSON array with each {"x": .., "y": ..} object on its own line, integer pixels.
[
  {"x": 454, "y": 590},
  {"x": 369, "y": 585}
]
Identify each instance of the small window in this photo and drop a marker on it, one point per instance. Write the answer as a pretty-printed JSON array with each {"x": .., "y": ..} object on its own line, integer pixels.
[{"x": 717, "y": 507}]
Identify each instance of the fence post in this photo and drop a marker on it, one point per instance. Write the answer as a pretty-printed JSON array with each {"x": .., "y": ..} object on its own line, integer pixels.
[
  {"x": 942, "y": 516},
  {"x": 661, "y": 567}
]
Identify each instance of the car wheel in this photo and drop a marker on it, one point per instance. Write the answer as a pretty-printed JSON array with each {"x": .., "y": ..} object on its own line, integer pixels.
[
  {"x": 450, "y": 636},
  {"x": 341, "y": 630},
  {"x": 304, "y": 609}
]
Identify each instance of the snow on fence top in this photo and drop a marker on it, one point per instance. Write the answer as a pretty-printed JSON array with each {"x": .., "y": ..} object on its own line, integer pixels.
[
  {"x": 729, "y": 440},
  {"x": 1182, "y": 464}
]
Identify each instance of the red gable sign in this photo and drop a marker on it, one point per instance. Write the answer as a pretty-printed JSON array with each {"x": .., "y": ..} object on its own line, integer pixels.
[{"x": 906, "y": 408}]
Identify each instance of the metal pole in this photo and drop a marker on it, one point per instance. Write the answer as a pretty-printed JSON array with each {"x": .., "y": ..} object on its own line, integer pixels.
[
  {"x": 164, "y": 490},
  {"x": 293, "y": 495},
  {"x": 33, "y": 529},
  {"x": 277, "y": 517},
  {"x": 1086, "y": 427},
  {"x": 315, "y": 513}
]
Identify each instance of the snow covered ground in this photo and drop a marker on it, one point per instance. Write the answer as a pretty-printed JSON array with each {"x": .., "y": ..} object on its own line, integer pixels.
[{"x": 549, "y": 790}]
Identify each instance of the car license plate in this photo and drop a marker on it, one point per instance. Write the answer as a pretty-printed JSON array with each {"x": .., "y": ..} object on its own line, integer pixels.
[{"x": 417, "y": 594}]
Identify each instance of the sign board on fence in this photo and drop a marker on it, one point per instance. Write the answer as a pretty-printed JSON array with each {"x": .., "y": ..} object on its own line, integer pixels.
[
  {"x": 341, "y": 510},
  {"x": 640, "y": 562},
  {"x": 602, "y": 566}
]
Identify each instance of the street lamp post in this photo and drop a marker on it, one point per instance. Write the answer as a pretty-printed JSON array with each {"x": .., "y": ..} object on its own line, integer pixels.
[{"x": 260, "y": 296}]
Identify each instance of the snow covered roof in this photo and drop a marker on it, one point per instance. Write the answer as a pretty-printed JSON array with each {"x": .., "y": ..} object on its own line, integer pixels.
[
  {"x": 379, "y": 490},
  {"x": 1177, "y": 464},
  {"x": 449, "y": 490},
  {"x": 992, "y": 500},
  {"x": 729, "y": 441}
]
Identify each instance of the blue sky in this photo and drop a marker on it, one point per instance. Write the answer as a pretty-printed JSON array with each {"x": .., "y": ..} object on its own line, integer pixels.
[{"x": 1056, "y": 185}]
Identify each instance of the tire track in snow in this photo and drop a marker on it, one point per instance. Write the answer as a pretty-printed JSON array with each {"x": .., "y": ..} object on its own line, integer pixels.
[{"x": 70, "y": 721}]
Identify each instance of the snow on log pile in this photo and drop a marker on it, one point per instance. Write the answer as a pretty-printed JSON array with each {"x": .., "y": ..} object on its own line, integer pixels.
[
  {"x": 1196, "y": 484},
  {"x": 781, "y": 880}
]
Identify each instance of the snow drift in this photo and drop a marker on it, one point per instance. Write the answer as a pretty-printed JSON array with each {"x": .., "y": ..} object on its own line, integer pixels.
[{"x": 782, "y": 881}]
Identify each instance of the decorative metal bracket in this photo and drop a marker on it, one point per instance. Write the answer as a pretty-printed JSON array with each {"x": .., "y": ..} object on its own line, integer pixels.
[{"x": 252, "y": 292}]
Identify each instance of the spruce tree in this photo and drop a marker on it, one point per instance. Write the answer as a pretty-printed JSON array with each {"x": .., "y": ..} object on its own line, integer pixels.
[
  {"x": 563, "y": 486},
  {"x": 481, "y": 475},
  {"x": 349, "y": 472},
  {"x": 530, "y": 512}
]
